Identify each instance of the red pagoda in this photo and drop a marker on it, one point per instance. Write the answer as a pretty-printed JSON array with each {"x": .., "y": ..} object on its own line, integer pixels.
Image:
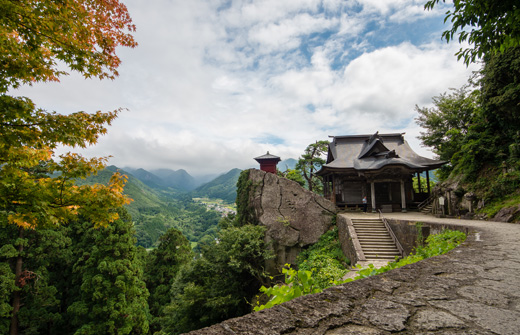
[{"x": 268, "y": 162}]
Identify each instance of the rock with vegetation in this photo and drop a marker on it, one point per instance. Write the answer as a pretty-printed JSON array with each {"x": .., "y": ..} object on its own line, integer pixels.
[{"x": 294, "y": 217}]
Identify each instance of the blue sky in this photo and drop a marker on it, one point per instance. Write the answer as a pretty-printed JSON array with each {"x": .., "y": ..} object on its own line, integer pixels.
[{"x": 215, "y": 83}]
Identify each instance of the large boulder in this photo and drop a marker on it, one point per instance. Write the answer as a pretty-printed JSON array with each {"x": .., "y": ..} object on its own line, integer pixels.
[{"x": 294, "y": 216}]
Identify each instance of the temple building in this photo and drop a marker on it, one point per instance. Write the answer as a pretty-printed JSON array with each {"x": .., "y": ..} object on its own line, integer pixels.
[{"x": 379, "y": 167}]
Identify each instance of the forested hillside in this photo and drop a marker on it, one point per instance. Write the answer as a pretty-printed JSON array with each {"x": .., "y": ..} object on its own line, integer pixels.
[
  {"x": 223, "y": 187},
  {"x": 165, "y": 178},
  {"x": 155, "y": 210}
]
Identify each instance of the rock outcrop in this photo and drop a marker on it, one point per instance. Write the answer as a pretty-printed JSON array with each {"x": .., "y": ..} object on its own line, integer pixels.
[{"x": 294, "y": 216}]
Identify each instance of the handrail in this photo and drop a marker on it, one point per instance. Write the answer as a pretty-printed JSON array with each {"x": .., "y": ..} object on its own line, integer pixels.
[
  {"x": 426, "y": 202},
  {"x": 392, "y": 235}
]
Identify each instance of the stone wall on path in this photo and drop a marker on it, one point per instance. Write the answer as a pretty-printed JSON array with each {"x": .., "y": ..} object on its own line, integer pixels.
[{"x": 294, "y": 217}]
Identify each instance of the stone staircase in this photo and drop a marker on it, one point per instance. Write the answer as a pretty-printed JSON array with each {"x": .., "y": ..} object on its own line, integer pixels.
[{"x": 375, "y": 240}]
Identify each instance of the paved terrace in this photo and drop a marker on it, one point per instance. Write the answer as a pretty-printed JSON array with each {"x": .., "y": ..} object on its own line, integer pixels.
[{"x": 474, "y": 289}]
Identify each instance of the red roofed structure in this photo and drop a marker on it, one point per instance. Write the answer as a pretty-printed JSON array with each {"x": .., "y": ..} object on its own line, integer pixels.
[{"x": 268, "y": 162}]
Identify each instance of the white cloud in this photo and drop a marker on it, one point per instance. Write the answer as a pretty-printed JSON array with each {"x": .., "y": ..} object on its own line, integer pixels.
[{"x": 214, "y": 84}]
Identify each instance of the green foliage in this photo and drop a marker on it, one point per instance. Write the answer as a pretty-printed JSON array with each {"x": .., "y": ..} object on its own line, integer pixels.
[
  {"x": 424, "y": 184},
  {"x": 297, "y": 283},
  {"x": 310, "y": 162},
  {"x": 294, "y": 175},
  {"x": 325, "y": 259},
  {"x": 110, "y": 294},
  {"x": 154, "y": 211},
  {"x": 304, "y": 282},
  {"x": 447, "y": 124},
  {"x": 245, "y": 212},
  {"x": 485, "y": 154},
  {"x": 217, "y": 285},
  {"x": 161, "y": 267},
  {"x": 38, "y": 38},
  {"x": 490, "y": 26}
]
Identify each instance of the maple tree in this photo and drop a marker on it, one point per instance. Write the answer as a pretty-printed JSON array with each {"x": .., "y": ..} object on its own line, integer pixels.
[
  {"x": 84, "y": 34},
  {"x": 37, "y": 188}
]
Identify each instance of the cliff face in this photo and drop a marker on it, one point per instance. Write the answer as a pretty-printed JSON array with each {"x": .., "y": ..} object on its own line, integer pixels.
[{"x": 294, "y": 216}]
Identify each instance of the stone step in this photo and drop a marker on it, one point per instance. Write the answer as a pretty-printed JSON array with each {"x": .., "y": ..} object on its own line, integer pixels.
[
  {"x": 354, "y": 222},
  {"x": 378, "y": 254},
  {"x": 375, "y": 234},
  {"x": 371, "y": 230},
  {"x": 392, "y": 252},
  {"x": 378, "y": 245}
]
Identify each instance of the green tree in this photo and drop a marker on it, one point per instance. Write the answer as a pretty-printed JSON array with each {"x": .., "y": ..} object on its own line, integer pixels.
[
  {"x": 36, "y": 189},
  {"x": 294, "y": 175},
  {"x": 490, "y": 26},
  {"x": 109, "y": 293},
  {"x": 447, "y": 124},
  {"x": 310, "y": 162},
  {"x": 162, "y": 266},
  {"x": 45, "y": 250},
  {"x": 218, "y": 285},
  {"x": 493, "y": 140}
]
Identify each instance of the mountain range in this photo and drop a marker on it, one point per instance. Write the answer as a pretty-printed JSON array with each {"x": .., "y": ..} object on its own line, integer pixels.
[{"x": 162, "y": 198}]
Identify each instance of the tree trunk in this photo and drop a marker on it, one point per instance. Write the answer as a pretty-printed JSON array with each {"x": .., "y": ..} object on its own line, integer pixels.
[{"x": 17, "y": 294}]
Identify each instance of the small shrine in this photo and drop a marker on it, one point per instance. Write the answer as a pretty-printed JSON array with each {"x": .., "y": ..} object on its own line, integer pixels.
[{"x": 268, "y": 162}]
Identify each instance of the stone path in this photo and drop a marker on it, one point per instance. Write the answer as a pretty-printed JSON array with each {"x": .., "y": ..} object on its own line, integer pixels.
[{"x": 474, "y": 289}]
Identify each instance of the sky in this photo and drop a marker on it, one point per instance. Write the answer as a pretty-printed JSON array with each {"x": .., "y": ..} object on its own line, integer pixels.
[{"x": 215, "y": 83}]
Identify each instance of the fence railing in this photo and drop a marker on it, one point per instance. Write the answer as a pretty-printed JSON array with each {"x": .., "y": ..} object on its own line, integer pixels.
[{"x": 392, "y": 235}]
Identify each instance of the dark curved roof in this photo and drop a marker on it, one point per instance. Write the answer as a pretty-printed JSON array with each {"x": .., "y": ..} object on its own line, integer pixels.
[
  {"x": 267, "y": 157},
  {"x": 374, "y": 152}
]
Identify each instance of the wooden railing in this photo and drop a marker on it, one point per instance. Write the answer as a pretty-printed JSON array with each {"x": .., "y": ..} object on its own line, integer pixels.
[
  {"x": 392, "y": 235},
  {"x": 426, "y": 202}
]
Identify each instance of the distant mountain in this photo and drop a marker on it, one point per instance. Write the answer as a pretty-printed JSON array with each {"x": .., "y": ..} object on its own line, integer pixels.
[
  {"x": 148, "y": 178},
  {"x": 223, "y": 187},
  {"x": 179, "y": 179},
  {"x": 166, "y": 178},
  {"x": 289, "y": 163}
]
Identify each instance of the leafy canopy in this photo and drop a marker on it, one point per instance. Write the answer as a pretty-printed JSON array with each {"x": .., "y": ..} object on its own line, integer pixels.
[
  {"x": 36, "y": 37},
  {"x": 38, "y": 40},
  {"x": 490, "y": 26},
  {"x": 310, "y": 162}
]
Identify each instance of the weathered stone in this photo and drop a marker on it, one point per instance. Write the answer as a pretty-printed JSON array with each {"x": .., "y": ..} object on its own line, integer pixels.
[
  {"x": 294, "y": 216},
  {"x": 385, "y": 315},
  {"x": 485, "y": 296},
  {"x": 506, "y": 214},
  {"x": 498, "y": 320},
  {"x": 431, "y": 319},
  {"x": 355, "y": 330}
]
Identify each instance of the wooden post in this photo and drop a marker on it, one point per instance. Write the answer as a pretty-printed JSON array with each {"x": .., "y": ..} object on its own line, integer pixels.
[
  {"x": 428, "y": 181},
  {"x": 419, "y": 182},
  {"x": 403, "y": 197},
  {"x": 373, "y": 196}
]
